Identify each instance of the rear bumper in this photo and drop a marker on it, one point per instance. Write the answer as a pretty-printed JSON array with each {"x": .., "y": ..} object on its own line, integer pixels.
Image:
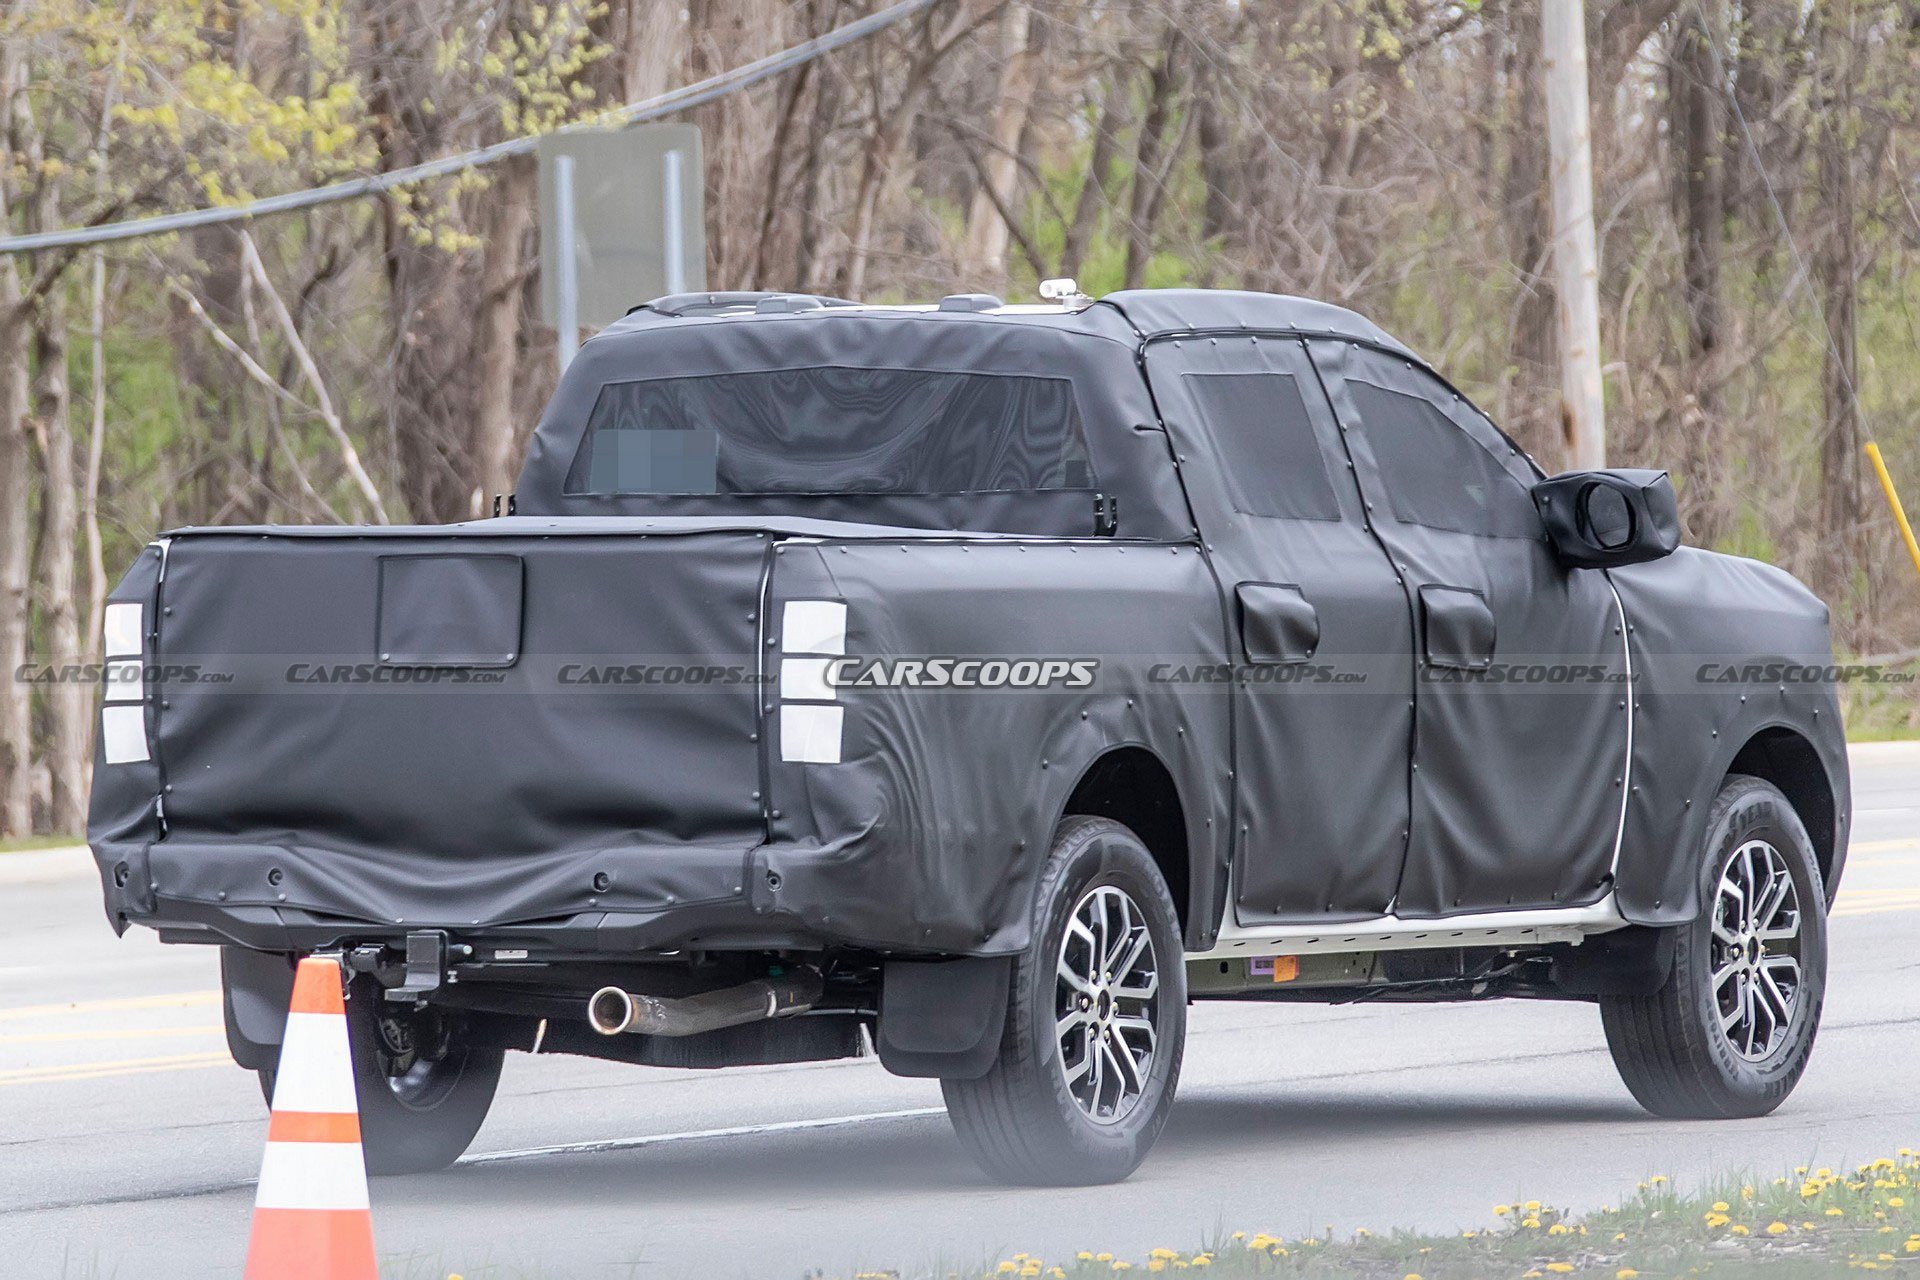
[{"x": 625, "y": 900}]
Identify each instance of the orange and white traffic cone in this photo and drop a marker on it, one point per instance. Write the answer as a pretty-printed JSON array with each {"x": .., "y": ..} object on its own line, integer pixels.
[{"x": 311, "y": 1219}]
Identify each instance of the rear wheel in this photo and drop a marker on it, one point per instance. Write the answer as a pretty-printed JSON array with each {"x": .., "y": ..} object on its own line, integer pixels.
[
  {"x": 1730, "y": 1033},
  {"x": 1096, "y": 1021},
  {"x": 423, "y": 1093}
]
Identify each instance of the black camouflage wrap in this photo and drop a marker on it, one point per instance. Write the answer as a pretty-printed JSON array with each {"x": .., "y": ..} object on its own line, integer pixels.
[{"x": 519, "y": 791}]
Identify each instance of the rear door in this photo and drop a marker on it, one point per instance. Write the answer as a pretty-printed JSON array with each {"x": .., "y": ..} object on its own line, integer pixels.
[
  {"x": 1317, "y": 628},
  {"x": 1522, "y": 719}
]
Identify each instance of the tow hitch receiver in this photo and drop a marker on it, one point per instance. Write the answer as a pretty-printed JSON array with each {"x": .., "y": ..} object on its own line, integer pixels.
[{"x": 423, "y": 972}]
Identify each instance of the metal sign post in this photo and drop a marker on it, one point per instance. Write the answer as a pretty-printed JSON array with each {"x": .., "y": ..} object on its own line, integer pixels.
[
  {"x": 622, "y": 220},
  {"x": 566, "y": 263}
]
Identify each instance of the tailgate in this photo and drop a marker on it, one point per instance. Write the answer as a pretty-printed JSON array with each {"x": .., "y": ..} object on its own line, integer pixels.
[{"x": 458, "y": 727}]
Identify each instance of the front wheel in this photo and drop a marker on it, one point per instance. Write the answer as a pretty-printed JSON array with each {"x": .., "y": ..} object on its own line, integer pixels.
[
  {"x": 1096, "y": 1021},
  {"x": 423, "y": 1093},
  {"x": 1730, "y": 1033}
]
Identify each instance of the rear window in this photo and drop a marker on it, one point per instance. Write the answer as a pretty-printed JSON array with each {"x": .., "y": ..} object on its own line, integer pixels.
[{"x": 833, "y": 430}]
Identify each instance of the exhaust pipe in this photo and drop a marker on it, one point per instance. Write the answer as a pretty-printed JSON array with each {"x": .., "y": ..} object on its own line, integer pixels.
[{"x": 612, "y": 1011}]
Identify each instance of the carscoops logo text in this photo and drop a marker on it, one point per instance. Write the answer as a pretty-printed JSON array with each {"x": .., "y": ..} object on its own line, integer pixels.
[{"x": 962, "y": 673}]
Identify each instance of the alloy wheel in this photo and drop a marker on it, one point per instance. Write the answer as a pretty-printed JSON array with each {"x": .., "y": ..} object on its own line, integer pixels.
[
  {"x": 1107, "y": 1004},
  {"x": 1756, "y": 949}
]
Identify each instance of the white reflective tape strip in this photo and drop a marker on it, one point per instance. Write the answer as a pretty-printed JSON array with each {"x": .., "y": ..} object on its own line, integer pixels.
[
  {"x": 806, "y": 678},
  {"x": 312, "y": 1175},
  {"x": 315, "y": 1072},
  {"x": 123, "y": 678},
  {"x": 810, "y": 735},
  {"x": 813, "y": 626},
  {"x": 122, "y": 629},
  {"x": 123, "y": 734}
]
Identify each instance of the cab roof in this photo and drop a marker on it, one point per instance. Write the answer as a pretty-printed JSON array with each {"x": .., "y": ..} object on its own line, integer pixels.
[{"x": 1131, "y": 314}]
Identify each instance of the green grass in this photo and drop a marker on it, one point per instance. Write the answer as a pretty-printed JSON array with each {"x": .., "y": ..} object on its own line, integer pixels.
[
  {"x": 27, "y": 844},
  {"x": 1807, "y": 1223},
  {"x": 1886, "y": 710}
]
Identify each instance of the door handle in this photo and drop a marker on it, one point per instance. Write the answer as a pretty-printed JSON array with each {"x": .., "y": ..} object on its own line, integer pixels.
[
  {"x": 1278, "y": 626},
  {"x": 1457, "y": 627}
]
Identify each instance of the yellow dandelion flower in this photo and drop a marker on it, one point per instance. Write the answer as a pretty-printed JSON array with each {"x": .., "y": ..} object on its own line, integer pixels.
[
  {"x": 1529, "y": 1222},
  {"x": 1560, "y": 1267},
  {"x": 1008, "y": 1268},
  {"x": 1530, "y": 1275},
  {"x": 1502, "y": 1210},
  {"x": 1776, "y": 1228},
  {"x": 1103, "y": 1257},
  {"x": 1158, "y": 1264},
  {"x": 1719, "y": 1206},
  {"x": 1716, "y": 1220},
  {"x": 1084, "y": 1256},
  {"x": 1123, "y": 1266},
  {"x": 1163, "y": 1254},
  {"x": 1533, "y": 1206},
  {"x": 1559, "y": 1229},
  {"x": 1897, "y": 1202},
  {"x": 1657, "y": 1179},
  {"x": 1913, "y": 1246},
  {"x": 1619, "y": 1236},
  {"x": 1625, "y": 1273},
  {"x": 1738, "y": 1230},
  {"x": 1836, "y": 1213}
]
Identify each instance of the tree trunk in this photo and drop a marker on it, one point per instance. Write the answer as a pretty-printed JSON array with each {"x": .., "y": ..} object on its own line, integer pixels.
[
  {"x": 69, "y": 703},
  {"x": 1149, "y": 163},
  {"x": 1094, "y": 194},
  {"x": 1532, "y": 397},
  {"x": 1218, "y": 168},
  {"x": 1693, "y": 100},
  {"x": 1840, "y": 470},
  {"x": 16, "y": 489},
  {"x": 497, "y": 335},
  {"x": 16, "y": 538},
  {"x": 984, "y": 258}
]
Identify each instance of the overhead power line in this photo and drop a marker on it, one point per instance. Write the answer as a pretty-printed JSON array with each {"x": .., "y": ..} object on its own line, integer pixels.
[{"x": 666, "y": 104}]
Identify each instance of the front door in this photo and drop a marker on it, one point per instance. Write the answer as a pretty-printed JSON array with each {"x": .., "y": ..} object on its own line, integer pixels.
[
  {"x": 1523, "y": 707},
  {"x": 1315, "y": 621}
]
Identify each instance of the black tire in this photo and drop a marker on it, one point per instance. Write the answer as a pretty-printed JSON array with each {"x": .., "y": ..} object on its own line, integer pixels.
[
  {"x": 1022, "y": 1121},
  {"x": 425, "y": 1118},
  {"x": 1672, "y": 1048}
]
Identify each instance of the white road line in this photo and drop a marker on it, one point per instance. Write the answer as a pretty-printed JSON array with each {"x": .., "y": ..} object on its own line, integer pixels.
[{"x": 661, "y": 1139}]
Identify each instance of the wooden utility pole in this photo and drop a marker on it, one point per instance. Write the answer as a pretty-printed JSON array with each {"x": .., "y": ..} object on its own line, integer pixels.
[{"x": 1576, "y": 257}]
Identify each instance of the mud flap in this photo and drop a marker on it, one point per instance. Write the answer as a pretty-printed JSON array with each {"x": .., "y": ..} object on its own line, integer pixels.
[
  {"x": 257, "y": 987},
  {"x": 942, "y": 1018}
]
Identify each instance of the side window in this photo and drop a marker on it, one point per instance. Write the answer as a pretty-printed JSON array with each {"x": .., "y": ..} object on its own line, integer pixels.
[
  {"x": 1272, "y": 463},
  {"x": 1436, "y": 474}
]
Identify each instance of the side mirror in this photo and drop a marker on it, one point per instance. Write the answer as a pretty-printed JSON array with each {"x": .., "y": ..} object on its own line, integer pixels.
[{"x": 1603, "y": 519}]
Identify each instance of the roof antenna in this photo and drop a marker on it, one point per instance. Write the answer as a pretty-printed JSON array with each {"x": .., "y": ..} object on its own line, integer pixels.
[{"x": 1064, "y": 290}]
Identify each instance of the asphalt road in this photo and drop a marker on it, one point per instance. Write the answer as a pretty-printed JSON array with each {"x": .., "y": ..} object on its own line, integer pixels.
[{"x": 128, "y": 1138}]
